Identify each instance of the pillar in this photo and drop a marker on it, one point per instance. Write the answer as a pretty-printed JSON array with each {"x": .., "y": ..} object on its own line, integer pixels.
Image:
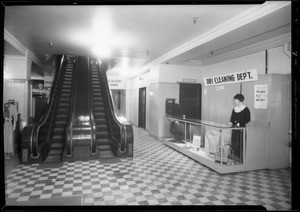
[{"x": 17, "y": 84}]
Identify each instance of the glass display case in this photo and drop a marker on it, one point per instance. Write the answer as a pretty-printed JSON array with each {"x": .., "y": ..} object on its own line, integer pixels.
[{"x": 217, "y": 146}]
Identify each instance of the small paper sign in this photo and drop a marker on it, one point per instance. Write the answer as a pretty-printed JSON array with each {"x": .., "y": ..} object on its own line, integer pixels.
[
  {"x": 261, "y": 96},
  {"x": 196, "y": 140}
]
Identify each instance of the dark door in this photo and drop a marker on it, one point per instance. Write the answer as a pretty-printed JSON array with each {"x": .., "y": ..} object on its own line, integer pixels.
[
  {"x": 190, "y": 100},
  {"x": 142, "y": 107}
]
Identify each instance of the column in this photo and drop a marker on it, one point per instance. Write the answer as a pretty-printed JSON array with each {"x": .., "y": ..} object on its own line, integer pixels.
[{"x": 17, "y": 85}]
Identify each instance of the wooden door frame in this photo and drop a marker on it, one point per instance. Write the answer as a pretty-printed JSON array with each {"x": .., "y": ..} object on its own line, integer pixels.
[
  {"x": 143, "y": 125},
  {"x": 199, "y": 97}
]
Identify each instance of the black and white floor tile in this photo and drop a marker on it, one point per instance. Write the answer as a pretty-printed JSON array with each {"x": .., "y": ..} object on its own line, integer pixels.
[{"x": 156, "y": 175}]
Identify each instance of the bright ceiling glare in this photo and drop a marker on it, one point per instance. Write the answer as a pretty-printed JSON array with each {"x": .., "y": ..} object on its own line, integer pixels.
[{"x": 102, "y": 51}]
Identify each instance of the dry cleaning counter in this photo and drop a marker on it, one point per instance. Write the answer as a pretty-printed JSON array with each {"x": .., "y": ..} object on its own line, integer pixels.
[{"x": 210, "y": 144}]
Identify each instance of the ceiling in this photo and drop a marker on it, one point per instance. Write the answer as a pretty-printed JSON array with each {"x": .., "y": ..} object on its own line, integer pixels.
[{"x": 137, "y": 35}]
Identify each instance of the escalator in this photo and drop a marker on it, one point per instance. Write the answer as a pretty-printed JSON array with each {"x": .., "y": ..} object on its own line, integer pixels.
[
  {"x": 62, "y": 116},
  {"x": 101, "y": 122},
  {"x": 45, "y": 140},
  {"x": 114, "y": 136},
  {"x": 79, "y": 122}
]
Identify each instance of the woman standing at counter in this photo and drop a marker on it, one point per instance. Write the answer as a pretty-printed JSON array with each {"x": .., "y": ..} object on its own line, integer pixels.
[{"x": 240, "y": 116}]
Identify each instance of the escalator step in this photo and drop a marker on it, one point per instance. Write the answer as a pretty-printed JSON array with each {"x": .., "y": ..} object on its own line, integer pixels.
[
  {"x": 102, "y": 141},
  {"x": 56, "y": 138},
  {"x": 102, "y": 132},
  {"x": 65, "y": 95},
  {"x": 57, "y": 146},
  {"x": 99, "y": 115},
  {"x": 62, "y": 116},
  {"x": 100, "y": 136},
  {"x": 55, "y": 152},
  {"x": 104, "y": 147},
  {"x": 106, "y": 154},
  {"x": 63, "y": 99},
  {"x": 100, "y": 120},
  {"x": 97, "y": 91},
  {"x": 61, "y": 123},
  {"x": 64, "y": 104},
  {"x": 101, "y": 126},
  {"x": 98, "y": 99},
  {"x": 53, "y": 159},
  {"x": 59, "y": 130},
  {"x": 62, "y": 110},
  {"x": 65, "y": 90},
  {"x": 98, "y": 104},
  {"x": 98, "y": 109}
]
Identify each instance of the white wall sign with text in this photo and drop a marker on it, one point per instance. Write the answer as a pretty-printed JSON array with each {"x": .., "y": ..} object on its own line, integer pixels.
[
  {"x": 261, "y": 96},
  {"x": 244, "y": 76},
  {"x": 47, "y": 84},
  {"x": 116, "y": 82}
]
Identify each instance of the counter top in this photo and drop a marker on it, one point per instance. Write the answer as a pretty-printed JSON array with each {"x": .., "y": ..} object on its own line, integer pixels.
[{"x": 199, "y": 121}]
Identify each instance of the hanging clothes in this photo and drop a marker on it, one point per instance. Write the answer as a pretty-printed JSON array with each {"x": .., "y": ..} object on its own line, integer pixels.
[{"x": 10, "y": 114}]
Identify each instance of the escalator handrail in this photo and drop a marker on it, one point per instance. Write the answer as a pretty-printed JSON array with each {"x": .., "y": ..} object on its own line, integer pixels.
[
  {"x": 35, "y": 130},
  {"x": 122, "y": 126},
  {"x": 69, "y": 129},
  {"x": 91, "y": 110}
]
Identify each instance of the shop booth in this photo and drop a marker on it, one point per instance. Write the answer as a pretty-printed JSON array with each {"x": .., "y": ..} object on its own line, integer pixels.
[{"x": 264, "y": 142}]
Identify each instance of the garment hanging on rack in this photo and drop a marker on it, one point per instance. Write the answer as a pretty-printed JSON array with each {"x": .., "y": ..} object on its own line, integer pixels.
[{"x": 10, "y": 111}]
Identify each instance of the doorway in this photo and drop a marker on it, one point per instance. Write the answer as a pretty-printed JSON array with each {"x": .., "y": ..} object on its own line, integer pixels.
[
  {"x": 142, "y": 107},
  {"x": 190, "y": 100}
]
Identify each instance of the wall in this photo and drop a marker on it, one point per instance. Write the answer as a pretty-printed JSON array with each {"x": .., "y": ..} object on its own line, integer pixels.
[
  {"x": 253, "y": 61},
  {"x": 216, "y": 103},
  {"x": 17, "y": 83},
  {"x": 132, "y": 97},
  {"x": 278, "y": 61},
  {"x": 176, "y": 73},
  {"x": 161, "y": 82}
]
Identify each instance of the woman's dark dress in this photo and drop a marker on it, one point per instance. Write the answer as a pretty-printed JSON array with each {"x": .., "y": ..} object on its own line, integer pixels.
[{"x": 243, "y": 118}]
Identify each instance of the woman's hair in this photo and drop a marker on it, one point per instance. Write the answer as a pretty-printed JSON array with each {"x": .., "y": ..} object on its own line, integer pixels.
[{"x": 239, "y": 97}]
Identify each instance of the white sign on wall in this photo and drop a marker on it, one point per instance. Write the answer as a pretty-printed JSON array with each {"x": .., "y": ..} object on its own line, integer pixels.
[
  {"x": 47, "y": 84},
  {"x": 244, "y": 76},
  {"x": 116, "y": 82},
  {"x": 261, "y": 96},
  {"x": 219, "y": 88}
]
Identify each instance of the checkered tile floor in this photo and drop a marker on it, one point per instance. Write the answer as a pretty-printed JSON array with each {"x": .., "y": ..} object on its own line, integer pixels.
[{"x": 157, "y": 175}]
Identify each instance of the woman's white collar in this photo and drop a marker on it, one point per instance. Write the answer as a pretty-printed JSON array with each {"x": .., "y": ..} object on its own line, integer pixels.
[{"x": 240, "y": 108}]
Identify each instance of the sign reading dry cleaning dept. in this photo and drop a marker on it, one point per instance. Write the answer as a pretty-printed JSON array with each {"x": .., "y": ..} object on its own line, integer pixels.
[{"x": 244, "y": 76}]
